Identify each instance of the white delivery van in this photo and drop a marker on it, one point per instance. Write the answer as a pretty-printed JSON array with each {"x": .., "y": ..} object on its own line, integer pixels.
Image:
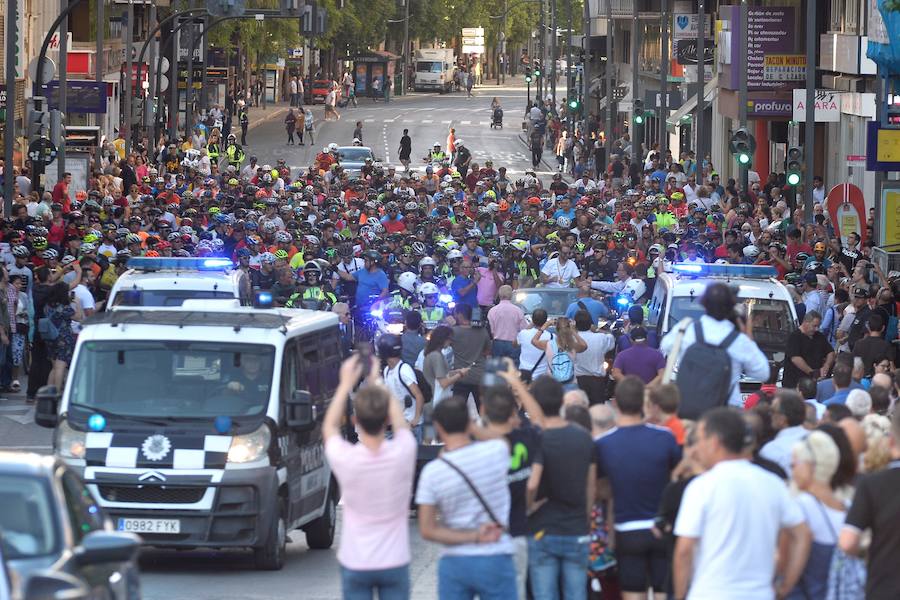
[
  {"x": 435, "y": 69},
  {"x": 763, "y": 299},
  {"x": 201, "y": 427}
]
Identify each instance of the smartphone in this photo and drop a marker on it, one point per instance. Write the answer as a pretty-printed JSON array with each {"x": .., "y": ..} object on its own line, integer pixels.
[{"x": 364, "y": 351}]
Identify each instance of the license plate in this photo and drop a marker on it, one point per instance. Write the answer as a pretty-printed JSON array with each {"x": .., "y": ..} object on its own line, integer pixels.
[{"x": 164, "y": 526}]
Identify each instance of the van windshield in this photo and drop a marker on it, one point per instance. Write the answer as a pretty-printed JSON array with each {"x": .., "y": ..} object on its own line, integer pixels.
[
  {"x": 772, "y": 320},
  {"x": 173, "y": 378},
  {"x": 428, "y": 66}
]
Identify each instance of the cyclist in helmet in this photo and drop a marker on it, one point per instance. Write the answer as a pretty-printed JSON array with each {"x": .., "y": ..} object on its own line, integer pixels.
[
  {"x": 266, "y": 276},
  {"x": 371, "y": 280}
]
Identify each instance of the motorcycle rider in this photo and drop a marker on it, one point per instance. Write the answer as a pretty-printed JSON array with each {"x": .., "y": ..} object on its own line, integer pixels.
[
  {"x": 314, "y": 295},
  {"x": 427, "y": 268},
  {"x": 436, "y": 155},
  {"x": 432, "y": 311}
]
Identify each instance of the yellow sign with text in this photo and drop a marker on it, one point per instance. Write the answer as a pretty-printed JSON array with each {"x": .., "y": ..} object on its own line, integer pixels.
[
  {"x": 888, "y": 147},
  {"x": 890, "y": 214}
]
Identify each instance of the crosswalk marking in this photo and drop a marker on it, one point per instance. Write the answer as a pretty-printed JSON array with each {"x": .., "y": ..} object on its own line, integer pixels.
[
  {"x": 368, "y": 120},
  {"x": 426, "y": 121},
  {"x": 465, "y": 122}
]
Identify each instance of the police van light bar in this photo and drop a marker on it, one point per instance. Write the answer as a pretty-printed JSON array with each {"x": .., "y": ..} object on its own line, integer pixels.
[
  {"x": 713, "y": 270},
  {"x": 143, "y": 263},
  {"x": 263, "y": 300}
]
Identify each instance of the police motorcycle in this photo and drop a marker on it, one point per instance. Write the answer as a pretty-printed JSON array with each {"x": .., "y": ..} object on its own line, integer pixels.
[
  {"x": 389, "y": 313},
  {"x": 620, "y": 307}
]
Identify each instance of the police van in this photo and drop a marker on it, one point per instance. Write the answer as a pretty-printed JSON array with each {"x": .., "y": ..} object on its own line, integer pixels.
[
  {"x": 201, "y": 426},
  {"x": 763, "y": 300},
  {"x": 160, "y": 281}
]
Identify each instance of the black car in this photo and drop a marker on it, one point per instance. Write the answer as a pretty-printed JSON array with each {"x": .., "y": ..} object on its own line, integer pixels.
[{"x": 54, "y": 535}]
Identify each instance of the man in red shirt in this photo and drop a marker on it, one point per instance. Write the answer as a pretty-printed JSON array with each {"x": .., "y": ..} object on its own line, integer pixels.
[
  {"x": 61, "y": 192},
  {"x": 795, "y": 244}
]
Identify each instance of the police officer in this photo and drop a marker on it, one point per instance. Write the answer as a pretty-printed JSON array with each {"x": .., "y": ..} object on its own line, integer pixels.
[
  {"x": 245, "y": 122},
  {"x": 234, "y": 152},
  {"x": 432, "y": 312},
  {"x": 314, "y": 295},
  {"x": 436, "y": 155},
  {"x": 404, "y": 296}
]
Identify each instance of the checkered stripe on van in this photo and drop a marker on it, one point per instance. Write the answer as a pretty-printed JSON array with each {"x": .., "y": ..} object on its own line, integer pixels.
[{"x": 156, "y": 451}]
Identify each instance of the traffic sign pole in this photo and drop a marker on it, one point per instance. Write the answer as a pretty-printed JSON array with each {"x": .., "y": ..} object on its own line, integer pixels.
[{"x": 9, "y": 130}]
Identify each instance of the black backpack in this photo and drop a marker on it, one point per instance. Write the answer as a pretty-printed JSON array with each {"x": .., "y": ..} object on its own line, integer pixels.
[{"x": 704, "y": 375}]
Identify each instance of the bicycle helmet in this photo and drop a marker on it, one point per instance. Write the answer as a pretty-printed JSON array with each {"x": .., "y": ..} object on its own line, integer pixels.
[
  {"x": 267, "y": 258},
  {"x": 48, "y": 254},
  {"x": 22, "y": 252}
]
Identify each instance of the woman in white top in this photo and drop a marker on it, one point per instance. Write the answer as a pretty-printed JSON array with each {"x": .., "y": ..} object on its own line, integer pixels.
[
  {"x": 567, "y": 341},
  {"x": 816, "y": 460}
]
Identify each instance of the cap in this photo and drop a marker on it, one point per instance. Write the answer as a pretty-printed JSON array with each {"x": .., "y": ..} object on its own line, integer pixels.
[
  {"x": 638, "y": 334},
  {"x": 810, "y": 278},
  {"x": 861, "y": 292}
]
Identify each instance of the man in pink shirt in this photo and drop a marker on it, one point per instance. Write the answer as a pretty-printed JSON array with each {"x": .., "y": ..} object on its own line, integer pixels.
[
  {"x": 506, "y": 320},
  {"x": 376, "y": 478},
  {"x": 486, "y": 287}
]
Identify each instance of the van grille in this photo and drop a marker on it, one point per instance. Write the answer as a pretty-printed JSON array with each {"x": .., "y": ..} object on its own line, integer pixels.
[{"x": 151, "y": 494}]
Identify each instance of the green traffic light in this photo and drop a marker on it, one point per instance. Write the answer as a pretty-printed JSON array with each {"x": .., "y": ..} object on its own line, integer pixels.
[
  {"x": 793, "y": 178},
  {"x": 528, "y": 79},
  {"x": 639, "y": 119},
  {"x": 537, "y": 72},
  {"x": 743, "y": 158},
  {"x": 573, "y": 104}
]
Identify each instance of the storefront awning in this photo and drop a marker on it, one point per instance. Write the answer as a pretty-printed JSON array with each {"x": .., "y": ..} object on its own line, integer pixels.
[{"x": 709, "y": 93}]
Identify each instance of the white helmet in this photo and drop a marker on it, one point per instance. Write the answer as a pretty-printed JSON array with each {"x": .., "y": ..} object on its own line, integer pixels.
[
  {"x": 564, "y": 222},
  {"x": 454, "y": 254},
  {"x": 332, "y": 147},
  {"x": 428, "y": 289},
  {"x": 721, "y": 261},
  {"x": 427, "y": 262},
  {"x": 437, "y": 145},
  {"x": 407, "y": 281},
  {"x": 636, "y": 288},
  {"x": 751, "y": 251},
  {"x": 459, "y": 143}
]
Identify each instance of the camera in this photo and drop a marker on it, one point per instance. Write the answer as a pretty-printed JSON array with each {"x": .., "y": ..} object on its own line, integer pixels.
[{"x": 493, "y": 366}]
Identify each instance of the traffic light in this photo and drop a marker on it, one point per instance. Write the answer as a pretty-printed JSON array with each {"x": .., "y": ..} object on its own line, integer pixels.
[
  {"x": 574, "y": 104},
  {"x": 638, "y": 112},
  {"x": 742, "y": 146},
  {"x": 38, "y": 117},
  {"x": 537, "y": 69},
  {"x": 794, "y": 166},
  {"x": 527, "y": 74}
]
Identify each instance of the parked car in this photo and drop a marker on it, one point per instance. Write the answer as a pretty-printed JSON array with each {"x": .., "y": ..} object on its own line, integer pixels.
[{"x": 54, "y": 536}]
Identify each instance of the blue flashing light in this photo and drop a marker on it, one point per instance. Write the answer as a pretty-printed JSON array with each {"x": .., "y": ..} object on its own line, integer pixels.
[
  {"x": 445, "y": 298},
  {"x": 222, "y": 424},
  {"x": 154, "y": 263},
  {"x": 93, "y": 509},
  {"x": 377, "y": 313},
  {"x": 96, "y": 422},
  {"x": 714, "y": 270},
  {"x": 263, "y": 300}
]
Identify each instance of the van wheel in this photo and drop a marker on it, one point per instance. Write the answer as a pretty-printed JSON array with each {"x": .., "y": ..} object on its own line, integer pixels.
[
  {"x": 270, "y": 557},
  {"x": 320, "y": 533}
]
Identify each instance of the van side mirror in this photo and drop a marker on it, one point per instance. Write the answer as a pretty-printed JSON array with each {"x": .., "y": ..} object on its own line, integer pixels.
[
  {"x": 299, "y": 411},
  {"x": 47, "y": 406},
  {"x": 100, "y": 547},
  {"x": 55, "y": 584}
]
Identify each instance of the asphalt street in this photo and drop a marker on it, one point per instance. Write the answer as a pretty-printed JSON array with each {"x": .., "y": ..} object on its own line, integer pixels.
[{"x": 428, "y": 116}]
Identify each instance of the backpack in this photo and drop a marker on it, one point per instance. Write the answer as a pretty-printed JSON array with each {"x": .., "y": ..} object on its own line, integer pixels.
[
  {"x": 704, "y": 375},
  {"x": 47, "y": 328},
  {"x": 561, "y": 366},
  {"x": 426, "y": 390}
]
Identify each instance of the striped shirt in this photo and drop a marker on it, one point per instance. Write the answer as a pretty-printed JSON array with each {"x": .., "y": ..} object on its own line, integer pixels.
[{"x": 486, "y": 465}]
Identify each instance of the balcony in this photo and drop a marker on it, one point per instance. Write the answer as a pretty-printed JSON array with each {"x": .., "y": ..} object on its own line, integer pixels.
[{"x": 623, "y": 9}]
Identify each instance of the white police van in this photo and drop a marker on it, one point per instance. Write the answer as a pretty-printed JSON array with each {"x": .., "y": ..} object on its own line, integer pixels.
[
  {"x": 763, "y": 300},
  {"x": 160, "y": 281},
  {"x": 201, "y": 427}
]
